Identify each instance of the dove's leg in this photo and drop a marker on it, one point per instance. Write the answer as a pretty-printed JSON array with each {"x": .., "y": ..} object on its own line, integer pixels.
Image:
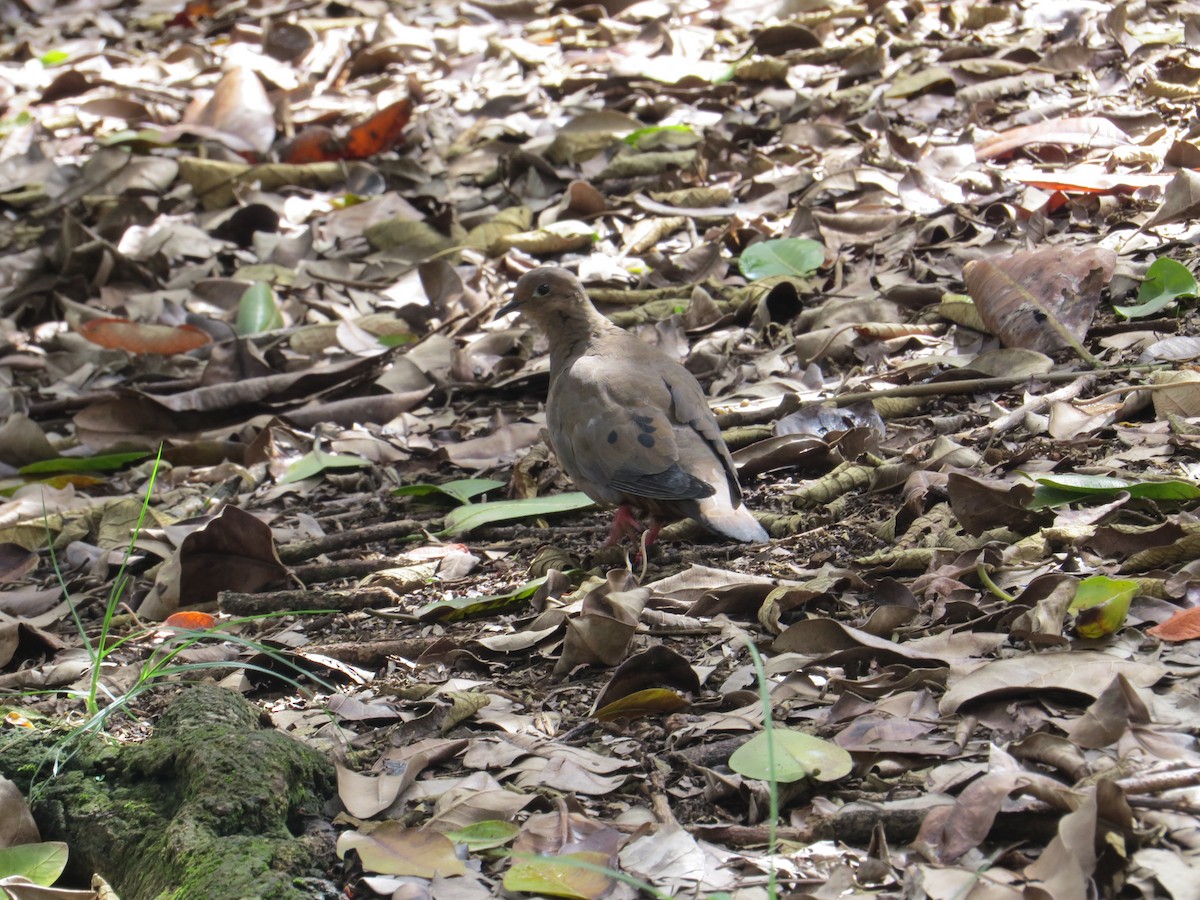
[{"x": 625, "y": 523}]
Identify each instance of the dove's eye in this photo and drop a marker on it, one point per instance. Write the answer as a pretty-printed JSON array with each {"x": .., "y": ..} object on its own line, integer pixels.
[{"x": 542, "y": 290}]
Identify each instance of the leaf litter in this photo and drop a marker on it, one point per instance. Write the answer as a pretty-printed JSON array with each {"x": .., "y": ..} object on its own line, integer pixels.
[{"x": 918, "y": 256}]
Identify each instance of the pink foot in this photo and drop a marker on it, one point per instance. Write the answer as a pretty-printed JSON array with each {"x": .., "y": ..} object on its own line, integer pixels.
[
  {"x": 652, "y": 532},
  {"x": 625, "y": 524}
]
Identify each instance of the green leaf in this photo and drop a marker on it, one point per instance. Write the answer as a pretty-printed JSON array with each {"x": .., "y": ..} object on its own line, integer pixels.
[
  {"x": 53, "y": 58},
  {"x": 258, "y": 310},
  {"x": 475, "y": 515},
  {"x": 657, "y": 133},
  {"x": 581, "y": 876},
  {"x": 396, "y": 340},
  {"x": 455, "y": 609},
  {"x": 109, "y": 462},
  {"x": 797, "y": 755},
  {"x": 1057, "y": 490},
  {"x": 40, "y": 863},
  {"x": 798, "y": 257},
  {"x": 315, "y": 462},
  {"x": 462, "y": 490},
  {"x": 485, "y": 835},
  {"x": 1166, "y": 280},
  {"x": 1102, "y": 604}
]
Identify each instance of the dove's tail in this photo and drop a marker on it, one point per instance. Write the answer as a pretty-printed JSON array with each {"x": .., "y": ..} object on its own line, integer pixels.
[{"x": 732, "y": 522}]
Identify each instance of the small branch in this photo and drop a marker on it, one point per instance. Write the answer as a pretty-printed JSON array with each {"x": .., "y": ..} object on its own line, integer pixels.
[
  {"x": 238, "y": 604},
  {"x": 358, "y": 537},
  {"x": 974, "y": 385}
]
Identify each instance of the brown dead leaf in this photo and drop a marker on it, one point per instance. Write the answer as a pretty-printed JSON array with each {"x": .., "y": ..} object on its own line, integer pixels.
[
  {"x": 16, "y": 561},
  {"x": 1085, "y": 131},
  {"x": 232, "y": 552},
  {"x": 1043, "y": 300},
  {"x": 982, "y": 505},
  {"x": 656, "y": 667},
  {"x": 239, "y": 113},
  {"x": 392, "y": 849},
  {"x": 1084, "y": 672},
  {"x": 605, "y": 625}
]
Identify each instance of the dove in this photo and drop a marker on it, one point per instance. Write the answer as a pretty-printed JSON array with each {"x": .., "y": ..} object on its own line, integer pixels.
[{"x": 630, "y": 425}]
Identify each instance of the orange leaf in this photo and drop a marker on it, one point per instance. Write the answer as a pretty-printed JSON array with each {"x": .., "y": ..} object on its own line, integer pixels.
[
  {"x": 17, "y": 720},
  {"x": 1183, "y": 626},
  {"x": 138, "y": 337},
  {"x": 190, "y": 618},
  {"x": 192, "y": 12},
  {"x": 380, "y": 132},
  {"x": 312, "y": 145}
]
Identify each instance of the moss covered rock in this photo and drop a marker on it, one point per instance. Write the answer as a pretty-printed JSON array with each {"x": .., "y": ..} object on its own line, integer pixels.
[{"x": 212, "y": 805}]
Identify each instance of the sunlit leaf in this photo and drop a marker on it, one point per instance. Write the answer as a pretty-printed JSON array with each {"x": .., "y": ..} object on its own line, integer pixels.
[
  {"x": 561, "y": 876},
  {"x": 463, "y": 490},
  {"x": 640, "y": 704},
  {"x": 475, "y": 515},
  {"x": 449, "y": 609},
  {"x": 797, "y": 755},
  {"x": 1057, "y": 490},
  {"x": 1166, "y": 281},
  {"x": 798, "y": 257},
  {"x": 315, "y": 462},
  {"x": 645, "y": 138},
  {"x": 1102, "y": 604},
  {"x": 192, "y": 619},
  {"x": 485, "y": 835},
  {"x": 258, "y": 310},
  {"x": 40, "y": 863},
  {"x": 109, "y": 462}
]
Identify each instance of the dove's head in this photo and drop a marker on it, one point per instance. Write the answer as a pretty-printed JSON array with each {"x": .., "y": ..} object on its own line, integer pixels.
[{"x": 549, "y": 295}]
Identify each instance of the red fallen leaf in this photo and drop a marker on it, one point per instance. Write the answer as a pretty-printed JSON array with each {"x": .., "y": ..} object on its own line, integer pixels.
[
  {"x": 1086, "y": 180},
  {"x": 377, "y": 134},
  {"x": 190, "y": 618},
  {"x": 312, "y": 145},
  {"x": 193, "y": 11},
  {"x": 1183, "y": 626},
  {"x": 380, "y": 132},
  {"x": 139, "y": 337}
]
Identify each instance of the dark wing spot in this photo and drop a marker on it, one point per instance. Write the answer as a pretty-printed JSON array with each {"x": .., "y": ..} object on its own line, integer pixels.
[
  {"x": 645, "y": 440},
  {"x": 644, "y": 423},
  {"x": 612, "y": 437}
]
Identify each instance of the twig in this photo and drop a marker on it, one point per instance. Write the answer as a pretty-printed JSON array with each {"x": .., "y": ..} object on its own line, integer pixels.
[
  {"x": 1015, "y": 417},
  {"x": 358, "y": 537},
  {"x": 239, "y": 604},
  {"x": 994, "y": 383}
]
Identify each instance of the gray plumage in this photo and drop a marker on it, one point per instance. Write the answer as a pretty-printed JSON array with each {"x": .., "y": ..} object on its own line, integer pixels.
[{"x": 630, "y": 425}]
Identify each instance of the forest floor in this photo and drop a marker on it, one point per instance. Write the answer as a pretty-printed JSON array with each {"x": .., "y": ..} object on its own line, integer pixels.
[{"x": 932, "y": 263}]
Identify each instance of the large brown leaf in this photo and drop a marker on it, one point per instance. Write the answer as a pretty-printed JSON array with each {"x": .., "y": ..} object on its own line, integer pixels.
[{"x": 1043, "y": 300}]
